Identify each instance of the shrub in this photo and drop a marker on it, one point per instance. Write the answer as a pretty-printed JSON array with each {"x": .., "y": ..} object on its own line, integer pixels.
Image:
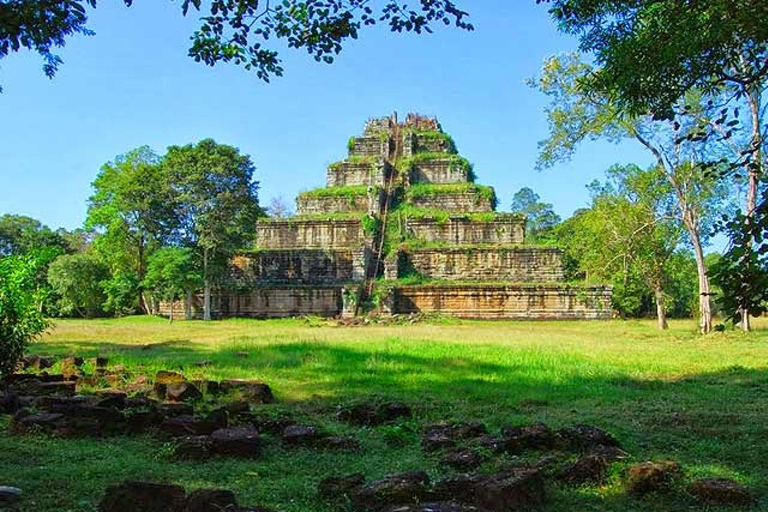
[{"x": 21, "y": 320}]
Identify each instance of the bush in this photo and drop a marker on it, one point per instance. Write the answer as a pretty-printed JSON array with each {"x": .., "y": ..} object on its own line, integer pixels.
[
  {"x": 20, "y": 318},
  {"x": 77, "y": 279}
]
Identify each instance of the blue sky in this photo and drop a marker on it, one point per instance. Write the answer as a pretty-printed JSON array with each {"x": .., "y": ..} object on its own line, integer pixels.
[{"x": 132, "y": 84}]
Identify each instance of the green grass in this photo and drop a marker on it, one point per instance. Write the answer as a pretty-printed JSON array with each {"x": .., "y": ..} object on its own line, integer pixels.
[{"x": 702, "y": 401}]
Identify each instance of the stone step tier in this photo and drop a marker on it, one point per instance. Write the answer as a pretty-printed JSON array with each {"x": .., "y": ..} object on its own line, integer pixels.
[
  {"x": 298, "y": 233},
  {"x": 358, "y": 173},
  {"x": 298, "y": 266},
  {"x": 483, "y": 264},
  {"x": 450, "y": 169},
  {"x": 501, "y": 301},
  {"x": 460, "y": 230},
  {"x": 469, "y": 200},
  {"x": 367, "y": 199}
]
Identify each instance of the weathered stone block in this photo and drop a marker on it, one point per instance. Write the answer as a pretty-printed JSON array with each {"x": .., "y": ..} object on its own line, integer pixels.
[
  {"x": 470, "y": 201},
  {"x": 310, "y": 204},
  {"x": 277, "y": 302},
  {"x": 439, "y": 170},
  {"x": 310, "y": 234},
  {"x": 515, "y": 264},
  {"x": 464, "y": 230},
  {"x": 311, "y": 266},
  {"x": 373, "y": 145},
  {"x": 549, "y": 301},
  {"x": 356, "y": 173}
]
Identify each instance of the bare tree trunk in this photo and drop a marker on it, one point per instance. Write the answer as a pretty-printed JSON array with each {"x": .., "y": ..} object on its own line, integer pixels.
[
  {"x": 753, "y": 172},
  {"x": 188, "y": 306},
  {"x": 661, "y": 314},
  {"x": 206, "y": 288},
  {"x": 705, "y": 301},
  {"x": 173, "y": 305}
]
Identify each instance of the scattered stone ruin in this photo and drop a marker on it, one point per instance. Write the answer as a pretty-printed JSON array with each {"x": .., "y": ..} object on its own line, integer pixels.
[{"x": 401, "y": 227}]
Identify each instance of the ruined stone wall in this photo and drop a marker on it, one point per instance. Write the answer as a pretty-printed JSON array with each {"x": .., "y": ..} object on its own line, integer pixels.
[
  {"x": 310, "y": 234},
  {"x": 454, "y": 202},
  {"x": 464, "y": 231},
  {"x": 298, "y": 266},
  {"x": 277, "y": 302},
  {"x": 517, "y": 264},
  {"x": 308, "y": 205},
  {"x": 438, "y": 170},
  {"x": 346, "y": 173},
  {"x": 505, "y": 302},
  {"x": 370, "y": 145},
  {"x": 427, "y": 144}
]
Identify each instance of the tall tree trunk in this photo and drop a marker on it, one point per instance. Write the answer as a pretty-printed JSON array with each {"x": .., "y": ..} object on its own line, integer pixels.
[
  {"x": 206, "y": 288},
  {"x": 661, "y": 314},
  {"x": 754, "y": 170},
  {"x": 188, "y": 306},
  {"x": 173, "y": 305},
  {"x": 705, "y": 301}
]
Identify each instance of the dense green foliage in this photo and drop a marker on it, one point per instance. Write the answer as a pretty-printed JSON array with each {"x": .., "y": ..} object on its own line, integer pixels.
[
  {"x": 172, "y": 273},
  {"x": 21, "y": 319},
  {"x": 698, "y": 400},
  {"x": 215, "y": 199},
  {"x": 652, "y": 55},
  {"x": 627, "y": 238},
  {"x": 133, "y": 208},
  {"x": 652, "y": 52},
  {"x": 350, "y": 192},
  {"x": 423, "y": 190},
  {"x": 540, "y": 217},
  {"x": 239, "y": 32},
  {"x": 77, "y": 281}
]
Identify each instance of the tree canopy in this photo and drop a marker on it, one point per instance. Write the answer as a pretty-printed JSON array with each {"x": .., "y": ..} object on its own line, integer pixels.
[
  {"x": 241, "y": 32},
  {"x": 651, "y": 52}
]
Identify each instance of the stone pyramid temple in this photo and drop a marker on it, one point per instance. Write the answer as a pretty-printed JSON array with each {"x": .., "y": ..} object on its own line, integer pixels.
[{"x": 402, "y": 227}]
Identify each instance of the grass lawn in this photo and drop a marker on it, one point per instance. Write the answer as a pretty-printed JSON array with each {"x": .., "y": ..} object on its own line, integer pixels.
[{"x": 702, "y": 401}]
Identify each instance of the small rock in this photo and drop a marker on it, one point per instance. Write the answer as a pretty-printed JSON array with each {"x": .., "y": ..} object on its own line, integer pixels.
[
  {"x": 585, "y": 437},
  {"x": 9, "y": 495},
  {"x": 462, "y": 458},
  {"x": 373, "y": 414},
  {"x": 435, "y": 507},
  {"x": 175, "y": 409},
  {"x": 651, "y": 476},
  {"x": 339, "y": 488},
  {"x": 520, "y": 489},
  {"x": 445, "y": 435},
  {"x": 192, "y": 448},
  {"x": 607, "y": 453},
  {"x": 237, "y": 407},
  {"x": 35, "y": 362},
  {"x": 202, "y": 364},
  {"x": 720, "y": 491},
  {"x": 589, "y": 469},
  {"x": 182, "y": 391},
  {"x": 143, "y": 497},
  {"x": 399, "y": 489},
  {"x": 189, "y": 426},
  {"x": 252, "y": 391},
  {"x": 238, "y": 442},
  {"x": 459, "y": 488},
  {"x": 301, "y": 435},
  {"x": 211, "y": 500},
  {"x": 534, "y": 437}
]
